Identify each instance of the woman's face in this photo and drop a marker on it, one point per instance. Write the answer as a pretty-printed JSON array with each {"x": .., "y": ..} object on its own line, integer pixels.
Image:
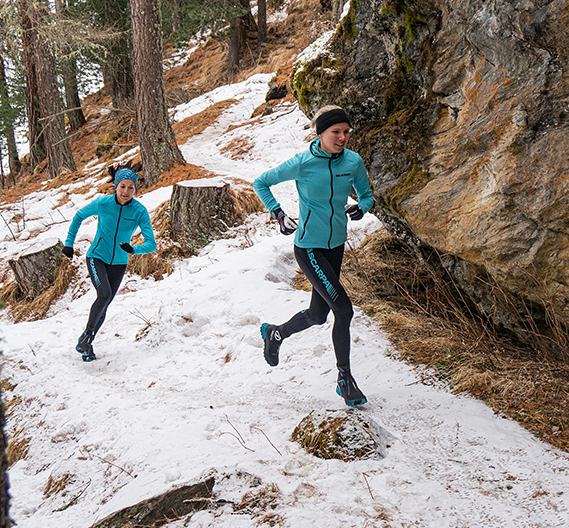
[
  {"x": 125, "y": 191},
  {"x": 334, "y": 138}
]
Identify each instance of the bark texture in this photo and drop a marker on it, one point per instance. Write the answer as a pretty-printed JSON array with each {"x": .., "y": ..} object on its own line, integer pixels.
[
  {"x": 5, "y": 521},
  {"x": 59, "y": 156},
  {"x": 75, "y": 115},
  {"x": 8, "y": 124},
  {"x": 36, "y": 269},
  {"x": 200, "y": 212},
  {"x": 35, "y": 136},
  {"x": 158, "y": 147}
]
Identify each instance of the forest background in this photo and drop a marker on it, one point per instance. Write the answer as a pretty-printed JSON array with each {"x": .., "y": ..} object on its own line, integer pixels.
[{"x": 50, "y": 45}]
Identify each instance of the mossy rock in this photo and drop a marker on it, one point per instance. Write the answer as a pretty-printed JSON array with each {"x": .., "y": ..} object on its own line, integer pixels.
[
  {"x": 105, "y": 142},
  {"x": 345, "y": 435}
]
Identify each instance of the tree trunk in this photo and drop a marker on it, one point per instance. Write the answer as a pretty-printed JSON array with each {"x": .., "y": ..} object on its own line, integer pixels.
[
  {"x": 36, "y": 269},
  {"x": 337, "y": 8},
  {"x": 5, "y": 521},
  {"x": 118, "y": 74},
  {"x": 234, "y": 46},
  {"x": 238, "y": 28},
  {"x": 158, "y": 147},
  {"x": 177, "y": 8},
  {"x": 35, "y": 136},
  {"x": 8, "y": 123},
  {"x": 69, "y": 71},
  {"x": 262, "y": 25},
  {"x": 59, "y": 156},
  {"x": 200, "y": 210}
]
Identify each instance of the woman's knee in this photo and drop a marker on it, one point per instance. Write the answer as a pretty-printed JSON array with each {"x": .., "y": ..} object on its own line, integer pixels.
[
  {"x": 344, "y": 310},
  {"x": 104, "y": 297}
]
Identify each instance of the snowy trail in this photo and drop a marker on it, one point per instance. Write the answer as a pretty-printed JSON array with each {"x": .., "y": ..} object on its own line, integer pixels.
[{"x": 192, "y": 394}]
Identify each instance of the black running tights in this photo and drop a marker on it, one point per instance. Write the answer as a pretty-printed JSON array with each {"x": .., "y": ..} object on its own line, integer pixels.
[
  {"x": 322, "y": 268},
  {"x": 106, "y": 278}
]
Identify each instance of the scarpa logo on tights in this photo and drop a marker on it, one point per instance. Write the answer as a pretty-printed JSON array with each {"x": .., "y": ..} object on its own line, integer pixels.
[{"x": 329, "y": 288}]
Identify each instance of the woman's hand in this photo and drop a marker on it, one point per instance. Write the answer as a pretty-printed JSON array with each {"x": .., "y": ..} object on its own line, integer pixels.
[
  {"x": 127, "y": 247},
  {"x": 287, "y": 225},
  {"x": 67, "y": 251},
  {"x": 354, "y": 211}
]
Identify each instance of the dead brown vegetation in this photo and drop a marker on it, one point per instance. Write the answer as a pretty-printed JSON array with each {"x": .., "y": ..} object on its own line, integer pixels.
[
  {"x": 24, "y": 309},
  {"x": 430, "y": 325},
  {"x": 18, "y": 447}
]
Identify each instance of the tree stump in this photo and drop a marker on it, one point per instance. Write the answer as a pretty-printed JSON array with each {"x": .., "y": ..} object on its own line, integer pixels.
[
  {"x": 201, "y": 210},
  {"x": 36, "y": 269},
  {"x": 164, "y": 508}
]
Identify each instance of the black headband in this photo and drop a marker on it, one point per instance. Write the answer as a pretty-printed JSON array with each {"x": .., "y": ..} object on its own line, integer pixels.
[{"x": 332, "y": 117}]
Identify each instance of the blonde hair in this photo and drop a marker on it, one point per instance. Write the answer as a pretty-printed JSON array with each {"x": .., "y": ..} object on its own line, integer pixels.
[{"x": 323, "y": 110}]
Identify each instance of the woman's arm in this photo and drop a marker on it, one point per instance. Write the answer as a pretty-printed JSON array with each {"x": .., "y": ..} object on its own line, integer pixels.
[
  {"x": 149, "y": 244},
  {"x": 362, "y": 188},
  {"x": 83, "y": 213},
  {"x": 284, "y": 172}
]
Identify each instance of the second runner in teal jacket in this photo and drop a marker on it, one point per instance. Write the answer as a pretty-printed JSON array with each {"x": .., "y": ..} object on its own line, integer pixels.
[
  {"x": 324, "y": 182},
  {"x": 116, "y": 225}
]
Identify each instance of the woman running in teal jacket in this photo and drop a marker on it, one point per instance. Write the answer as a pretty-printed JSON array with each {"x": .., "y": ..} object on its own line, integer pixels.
[
  {"x": 119, "y": 215},
  {"x": 325, "y": 175}
]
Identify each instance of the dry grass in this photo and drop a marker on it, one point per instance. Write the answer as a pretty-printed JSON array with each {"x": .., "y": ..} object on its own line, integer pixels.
[
  {"x": 23, "y": 309},
  {"x": 18, "y": 447},
  {"x": 57, "y": 485},
  {"x": 259, "y": 503},
  {"x": 430, "y": 325}
]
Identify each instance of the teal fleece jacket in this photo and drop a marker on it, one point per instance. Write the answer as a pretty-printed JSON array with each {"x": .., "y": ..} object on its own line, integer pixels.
[
  {"x": 324, "y": 182},
  {"x": 116, "y": 224}
]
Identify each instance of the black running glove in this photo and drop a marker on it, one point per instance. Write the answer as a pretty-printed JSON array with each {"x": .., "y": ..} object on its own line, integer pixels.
[
  {"x": 287, "y": 225},
  {"x": 127, "y": 247},
  {"x": 67, "y": 251},
  {"x": 354, "y": 211}
]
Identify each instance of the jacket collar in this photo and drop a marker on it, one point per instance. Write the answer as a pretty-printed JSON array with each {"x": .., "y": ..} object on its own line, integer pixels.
[
  {"x": 127, "y": 203},
  {"x": 317, "y": 151}
]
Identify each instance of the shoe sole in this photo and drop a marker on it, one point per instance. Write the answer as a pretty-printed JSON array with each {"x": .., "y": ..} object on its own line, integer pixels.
[
  {"x": 86, "y": 356},
  {"x": 351, "y": 403},
  {"x": 268, "y": 358}
]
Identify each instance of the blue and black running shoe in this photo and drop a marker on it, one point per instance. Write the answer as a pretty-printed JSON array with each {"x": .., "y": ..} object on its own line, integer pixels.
[
  {"x": 84, "y": 346},
  {"x": 348, "y": 389},
  {"x": 273, "y": 340}
]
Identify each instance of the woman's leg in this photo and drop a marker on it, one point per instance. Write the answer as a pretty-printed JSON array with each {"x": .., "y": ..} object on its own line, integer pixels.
[
  {"x": 115, "y": 274},
  {"x": 106, "y": 279},
  {"x": 322, "y": 268}
]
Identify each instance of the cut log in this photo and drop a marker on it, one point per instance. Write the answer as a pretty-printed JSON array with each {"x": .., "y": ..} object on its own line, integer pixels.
[
  {"x": 162, "y": 509},
  {"x": 200, "y": 210},
  {"x": 36, "y": 269}
]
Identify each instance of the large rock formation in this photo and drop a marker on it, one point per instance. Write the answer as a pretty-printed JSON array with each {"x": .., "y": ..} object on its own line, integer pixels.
[{"x": 461, "y": 113}]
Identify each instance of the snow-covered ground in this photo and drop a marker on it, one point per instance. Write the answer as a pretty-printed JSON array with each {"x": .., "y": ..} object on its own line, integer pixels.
[{"x": 180, "y": 389}]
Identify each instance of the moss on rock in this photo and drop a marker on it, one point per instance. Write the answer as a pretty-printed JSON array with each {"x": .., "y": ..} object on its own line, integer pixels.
[{"x": 344, "y": 435}]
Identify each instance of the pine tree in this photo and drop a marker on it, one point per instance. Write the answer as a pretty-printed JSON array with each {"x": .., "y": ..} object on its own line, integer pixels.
[
  {"x": 59, "y": 155},
  {"x": 68, "y": 66},
  {"x": 7, "y": 123},
  {"x": 158, "y": 147},
  {"x": 111, "y": 20},
  {"x": 35, "y": 136}
]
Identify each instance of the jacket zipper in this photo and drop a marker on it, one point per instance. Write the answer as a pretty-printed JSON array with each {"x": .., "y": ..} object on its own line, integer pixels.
[
  {"x": 304, "y": 225},
  {"x": 331, "y": 196},
  {"x": 116, "y": 233}
]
